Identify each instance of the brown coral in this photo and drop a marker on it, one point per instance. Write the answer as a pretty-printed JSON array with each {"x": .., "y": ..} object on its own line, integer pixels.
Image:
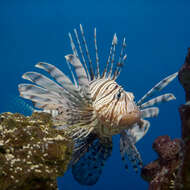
[
  {"x": 161, "y": 172},
  {"x": 172, "y": 169}
]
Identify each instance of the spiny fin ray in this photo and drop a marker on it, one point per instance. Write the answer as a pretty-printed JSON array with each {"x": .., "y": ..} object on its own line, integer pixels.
[
  {"x": 114, "y": 41},
  {"x": 149, "y": 112},
  {"x": 81, "y": 52},
  {"x": 120, "y": 61},
  {"x": 158, "y": 87},
  {"x": 158, "y": 99},
  {"x": 87, "y": 53},
  {"x": 43, "y": 81},
  {"x": 81, "y": 74},
  {"x": 59, "y": 76},
  {"x": 97, "y": 58},
  {"x": 113, "y": 55}
]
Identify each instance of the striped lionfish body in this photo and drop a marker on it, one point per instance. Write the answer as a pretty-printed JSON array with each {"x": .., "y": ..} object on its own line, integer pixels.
[
  {"x": 91, "y": 107},
  {"x": 114, "y": 108}
]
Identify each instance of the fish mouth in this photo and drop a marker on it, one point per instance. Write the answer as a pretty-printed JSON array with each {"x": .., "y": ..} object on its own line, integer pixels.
[{"x": 130, "y": 118}]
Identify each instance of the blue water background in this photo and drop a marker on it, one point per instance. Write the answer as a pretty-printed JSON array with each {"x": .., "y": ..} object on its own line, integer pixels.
[{"x": 157, "y": 33}]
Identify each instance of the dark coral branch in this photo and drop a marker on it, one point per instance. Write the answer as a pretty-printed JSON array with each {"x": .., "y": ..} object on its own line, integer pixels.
[
  {"x": 184, "y": 176},
  {"x": 184, "y": 76}
]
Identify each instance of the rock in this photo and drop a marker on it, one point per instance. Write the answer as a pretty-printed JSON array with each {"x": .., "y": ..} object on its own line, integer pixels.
[
  {"x": 32, "y": 153},
  {"x": 184, "y": 76},
  {"x": 166, "y": 148},
  {"x": 172, "y": 169},
  {"x": 162, "y": 172},
  {"x": 184, "y": 176}
]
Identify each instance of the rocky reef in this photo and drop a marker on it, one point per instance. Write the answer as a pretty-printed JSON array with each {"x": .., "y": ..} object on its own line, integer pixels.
[
  {"x": 161, "y": 173},
  {"x": 32, "y": 153},
  {"x": 172, "y": 168}
]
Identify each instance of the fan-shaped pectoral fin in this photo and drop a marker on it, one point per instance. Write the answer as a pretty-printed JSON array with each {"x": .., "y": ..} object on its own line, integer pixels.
[
  {"x": 139, "y": 130},
  {"x": 89, "y": 159}
]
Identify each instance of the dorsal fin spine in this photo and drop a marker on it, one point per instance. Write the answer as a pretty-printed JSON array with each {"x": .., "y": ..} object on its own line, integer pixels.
[
  {"x": 113, "y": 54},
  {"x": 73, "y": 45},
  {"x": 81, "y": 52},
  {"x": 97, "y": 58},
  {"x": 121, "y": 65},
  {"x": 120, "y": 61},
  {"x": 87, "y": 53},
  {"x": 73, "y": 76},
  {"x": 109, "y": 57}
]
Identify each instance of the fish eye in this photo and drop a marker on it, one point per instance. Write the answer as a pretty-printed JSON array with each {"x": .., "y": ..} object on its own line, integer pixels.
[{"x": 118, "y": 94}]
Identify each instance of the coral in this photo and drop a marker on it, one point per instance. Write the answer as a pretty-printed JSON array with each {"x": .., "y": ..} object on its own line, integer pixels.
[
  {"x": 32, "y": 153},
  {"x": 161, "y": 172},
  {"x": 172, "y": 169},
  {"x": 184, "y": 110},
  {"x": 184, "y": 76}
]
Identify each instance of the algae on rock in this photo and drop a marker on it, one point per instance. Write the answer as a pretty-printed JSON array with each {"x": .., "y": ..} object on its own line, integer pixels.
[{"x": 32, "y": 153}]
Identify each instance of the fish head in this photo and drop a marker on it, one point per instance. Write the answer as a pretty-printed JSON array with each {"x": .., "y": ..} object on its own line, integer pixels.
[
  {"x": 128, "y": 111},
  {"x": 116, "y": 109}
]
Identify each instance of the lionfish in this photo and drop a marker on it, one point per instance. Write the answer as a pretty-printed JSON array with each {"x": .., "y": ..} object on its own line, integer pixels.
[{"x": 92, "y": 107}]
